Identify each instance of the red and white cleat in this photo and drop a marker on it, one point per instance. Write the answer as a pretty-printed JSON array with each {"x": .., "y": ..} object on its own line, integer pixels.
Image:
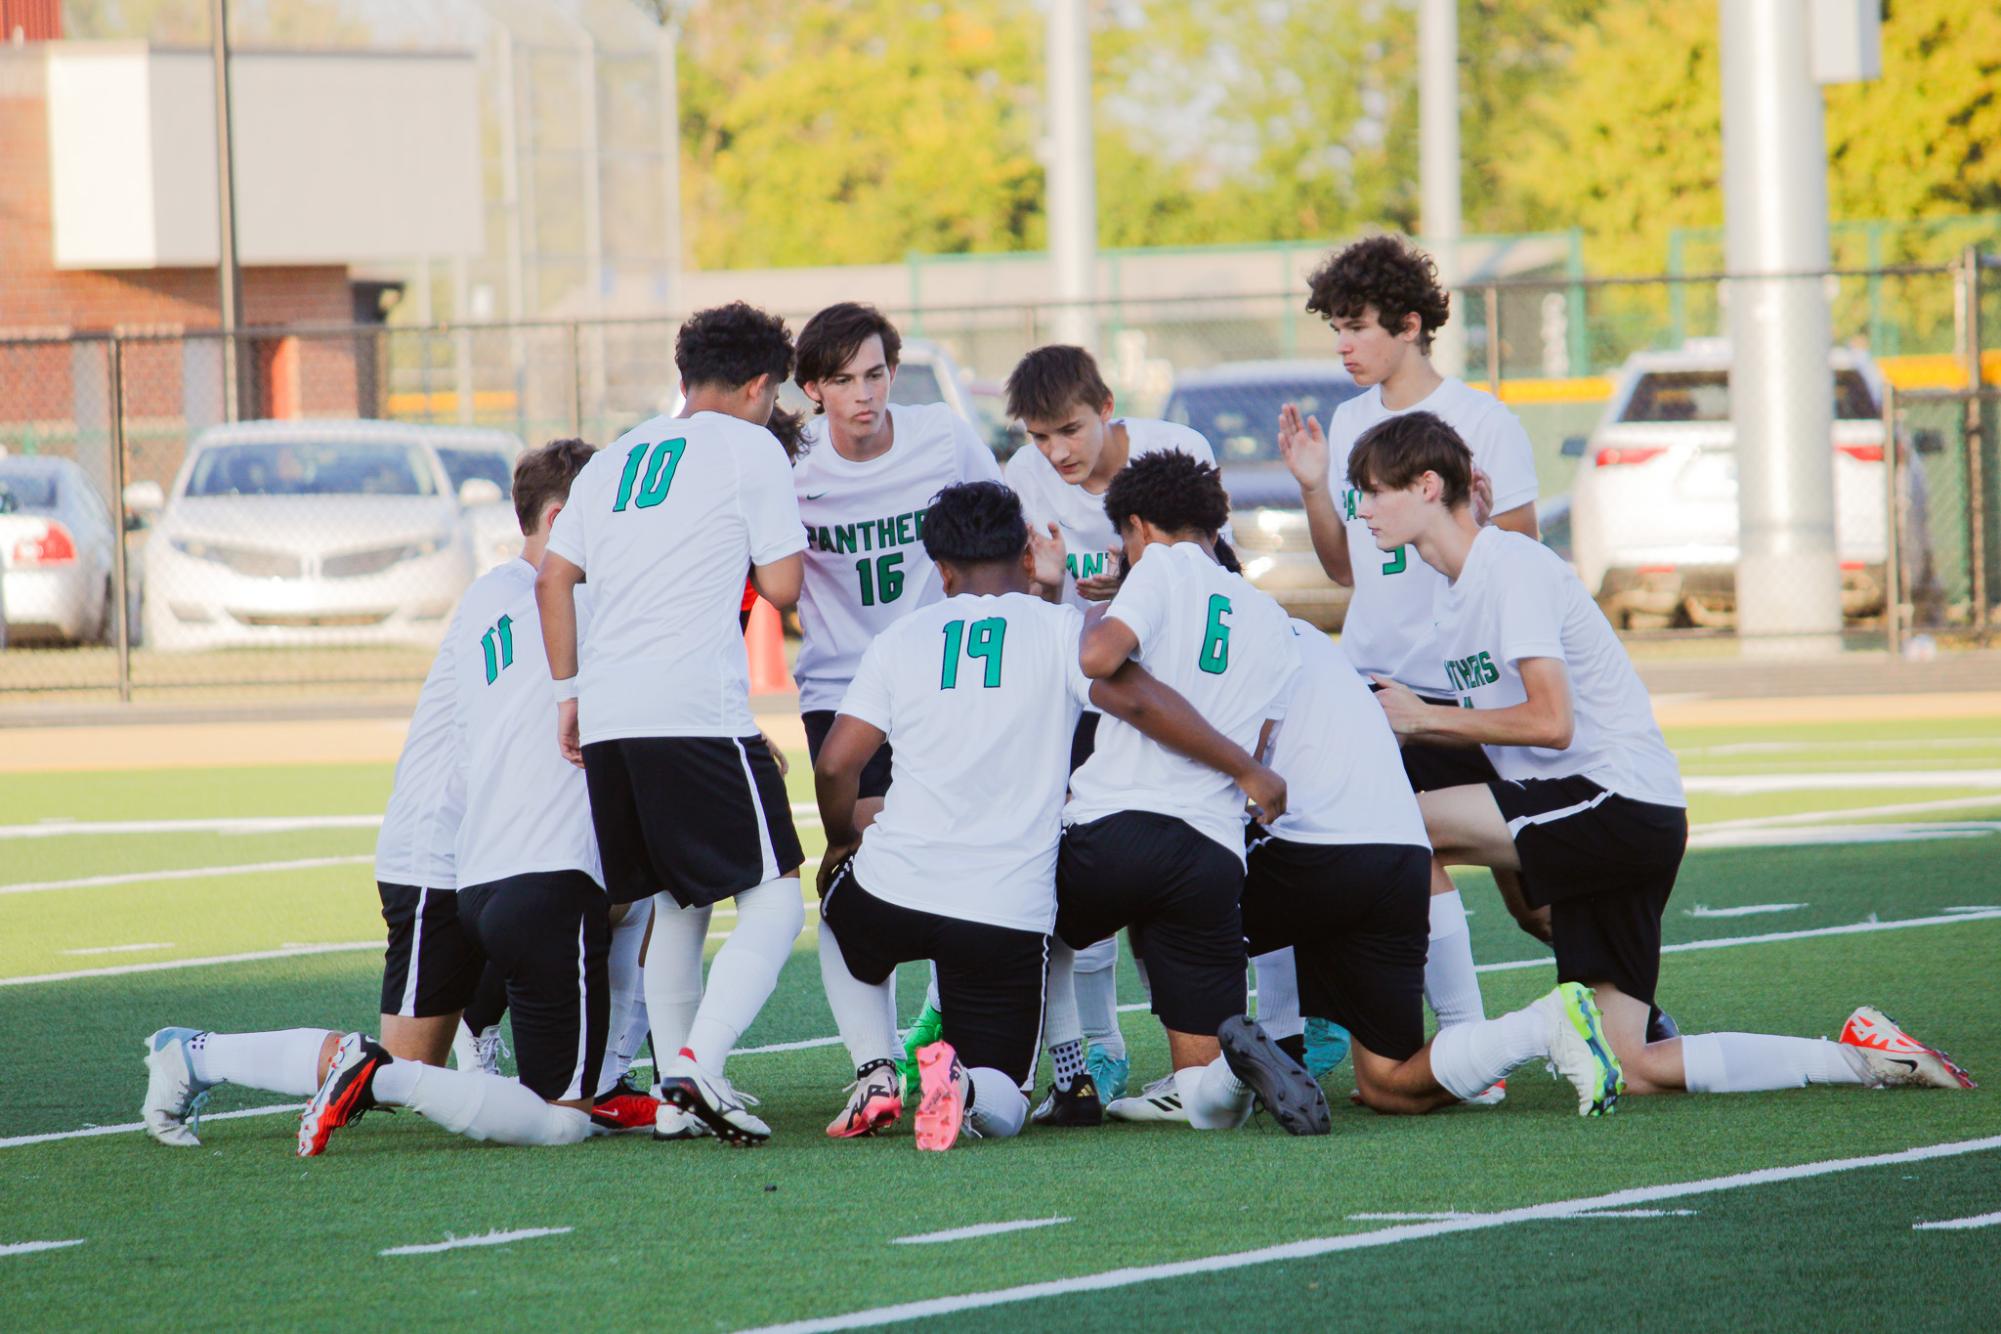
[
  {"x": 875, "y": 1102},
  {"x": 946, "y": 1090},
  {"x": 1894, "y": 1057}
]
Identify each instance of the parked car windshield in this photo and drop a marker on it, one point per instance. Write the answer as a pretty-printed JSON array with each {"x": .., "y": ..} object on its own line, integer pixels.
[
  {"x": 310, "y": 468},
  {"x": 1704, "y": 396},
  {"x": 462, "y": 465},
  {"x": 1240, "y": 421},
  {"x": 22, "y": 489},
  {"x": 916, "y": 383}
]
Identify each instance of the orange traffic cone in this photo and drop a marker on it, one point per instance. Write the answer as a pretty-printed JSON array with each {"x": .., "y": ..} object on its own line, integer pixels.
[{"x": 764, "y": 641}]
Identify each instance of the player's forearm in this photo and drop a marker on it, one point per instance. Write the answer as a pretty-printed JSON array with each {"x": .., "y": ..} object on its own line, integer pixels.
[
  {"x": 1528, "y": 724},
  {"x": 779, "y": 582},
  {"x": 1329, "y": 534},
  {"x": 556, "y": 604},
  {"x": 837, "y": 790},
  {"x": 1135, "y": 696}
]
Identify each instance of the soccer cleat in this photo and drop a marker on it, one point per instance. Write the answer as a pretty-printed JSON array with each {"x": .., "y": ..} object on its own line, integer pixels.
[
  {"x": 712, "y": 1098},
  {"x": 479, "y": 1051},
  {"x": 1895, "y": 1058},
  {"x": 1158, "y": 1101},
  {"x": 670, "y": 1122},
  {"x": 1661, "y": 1025},
  {"x": 1281, "y": 1083},
  {"x": 1108, "y": 1072},
  {"x": 929, "y": 1027},
  {"x": 343, "y": 1095},
  {"x": 1579, "y": 1050},
  {"x": 1327, "y": 1046},
  {"x": 1078, "y": 1105},
  {"x": 174, "y": 1096},
  {"x": 875, "y": 1102},
  {"x": 945, "y": 1092},
  {"x": 625, "y": 1107},
  {"x": 1494, "y": 1095}
]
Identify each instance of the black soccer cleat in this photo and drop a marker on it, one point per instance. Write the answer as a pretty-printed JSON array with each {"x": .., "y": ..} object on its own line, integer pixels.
[
  {"x": 1290, "y": 1094},
  {"x": 1078, "y": 1105}
]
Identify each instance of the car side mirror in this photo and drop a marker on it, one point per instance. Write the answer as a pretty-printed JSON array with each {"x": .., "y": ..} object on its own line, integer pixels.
[
  {"x": 479, "y": 491},
  {"x": 1928, "y": 441},
  {"x": 143, "y": 502},
  {"x": 1573, "y": 446}
]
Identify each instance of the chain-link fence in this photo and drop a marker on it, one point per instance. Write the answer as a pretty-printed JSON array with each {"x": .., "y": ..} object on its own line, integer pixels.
[{"x": 316, "y": 537}]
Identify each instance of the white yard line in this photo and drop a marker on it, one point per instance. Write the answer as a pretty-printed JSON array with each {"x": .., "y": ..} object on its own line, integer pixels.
[
  {"x": 129, "y": 1127},
  {"x": 1747, "y": 784},
  {"x": 1355, "y": 1241},
  {"x": 976, "y": 1230},
  {"x": 1593, "y": 1213},
  {"x": 124, "y": 949},
  {"x": 488, "y": 1239},
  {"x": 1804, "y": 836},
  {"x": 166, "y": 965},
  {"x": 186, "y": 873},
  {"x": 1806, "y": 933},
  {"x": 1781, "y": 747},
  {"x": 1843, "y": 813},
  {"x": 257, "y": 824},
  {"x": 1959, "y": 1224},
  {"x": 1744, "y": 910},
  {"x": 30, "y": 1247}
]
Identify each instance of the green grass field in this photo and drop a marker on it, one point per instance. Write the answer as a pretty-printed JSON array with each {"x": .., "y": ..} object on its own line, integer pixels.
[{"x": 120, "y": 913}]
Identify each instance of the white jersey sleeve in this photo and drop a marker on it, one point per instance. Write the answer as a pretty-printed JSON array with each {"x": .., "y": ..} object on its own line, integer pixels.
[
  {"x": 420, "y": 828},
  {"x": 770, "y": 509},
  {"x": 869, "y": 698}
]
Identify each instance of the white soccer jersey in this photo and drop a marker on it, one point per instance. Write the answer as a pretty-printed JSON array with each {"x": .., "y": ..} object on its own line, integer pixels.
[
  {"x": 1090, "y": 543},
  {"x": 526, "y": 806},
  {"x": 1516, "y": 599},
  {"x": 1388, "y": 628},
  {"x": 865, "y": 561},
  {"x": 1344, "y": 780},
  {"x": 665, "y": 523},
  {"x": 979, "y": 697},
  {"x": 420, "y": 830},
  {"x": 1229, "y": 650}
]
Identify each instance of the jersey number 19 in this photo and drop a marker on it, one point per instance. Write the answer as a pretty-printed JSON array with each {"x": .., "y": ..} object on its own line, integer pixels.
[{"x": 984, "y": 642}]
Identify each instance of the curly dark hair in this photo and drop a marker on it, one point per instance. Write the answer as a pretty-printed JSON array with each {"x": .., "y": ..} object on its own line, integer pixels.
[
  {"x": 1386, "y": 272},
  {"x": 732, "y": 345},
  {"x": 1047, "y": 383},
  {"x": 834, "y": 335},
  {"x": 1175, "y": 492},
  {"x": 542, "y": 475},
  {"x": 974, "y": 522},
  {"x": 1396, "y": 451},
  {"x": 790, "y": 428}
]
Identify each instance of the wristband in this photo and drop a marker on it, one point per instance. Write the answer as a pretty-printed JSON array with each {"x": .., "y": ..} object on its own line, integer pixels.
[{"x": 566, "y": 689}]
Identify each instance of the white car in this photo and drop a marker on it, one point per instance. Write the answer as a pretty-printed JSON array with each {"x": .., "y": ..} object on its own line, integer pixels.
[
  {"x": 56, "y": 550},
  {"x": 1653, "y": 514},
  {"x": 303, "y": 532}
]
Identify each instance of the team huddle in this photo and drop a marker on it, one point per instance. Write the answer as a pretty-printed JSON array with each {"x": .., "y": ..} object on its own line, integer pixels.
[{"x": 1043, "y": 707}]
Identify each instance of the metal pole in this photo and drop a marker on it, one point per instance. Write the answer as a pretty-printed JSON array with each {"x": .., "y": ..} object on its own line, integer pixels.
[
  {"x": 512, "y": 219},
  {"x": 1072, "y": 198},
  {"x": 1438, "y": 161},
  {"x": 120, "y": 576},
  {"x": 666, "y": 53},
  {"x": 1493, "y": 301},
  {"x": 576, "y": 380},
  {"x": 229, "y": 273},
  {"x": 1893, "y": 528},
  {"x": 1976, "y": 444},
  {"x": 1775, "y": 213}
]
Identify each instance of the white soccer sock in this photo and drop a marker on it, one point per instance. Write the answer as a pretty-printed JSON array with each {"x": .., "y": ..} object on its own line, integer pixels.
[
  {"x": 998, "y": 1107},
  {"x": 1213, "y": 1096},
  {"x": 1060, "y": 1023},
  {"x": 865, "y": 1015},
  {"x": 1097, "y": 974},
  {"x": 1278, "y": 994},
  {"x": 672, "y": 978},
  {"x": 1451, "y": 986},
  {"x": 479, "y": 1106},
  {"x": 627, "y": 1026},
  {"x": 1467, "y": 1058},
  {"x": 768, "y": 919},
  {"x": 285, "y": 1060},
  {"x": 931, "y": 991},
  {"x": 1755, "y": 1062}
]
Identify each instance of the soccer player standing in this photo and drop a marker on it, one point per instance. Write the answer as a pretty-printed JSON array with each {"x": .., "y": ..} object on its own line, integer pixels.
[
  {"x": 688, "y": 801},
  {"x": 1588, "y": 805},
  {"x": 1383, "y": 299}
]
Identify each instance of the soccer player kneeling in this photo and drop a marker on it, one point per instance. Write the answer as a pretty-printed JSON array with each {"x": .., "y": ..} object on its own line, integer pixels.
[
  {"x": 1588, "y": 805},
  {"x": 980, "y": 695}
]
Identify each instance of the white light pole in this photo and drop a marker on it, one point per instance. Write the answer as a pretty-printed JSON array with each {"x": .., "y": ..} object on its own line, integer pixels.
[
  {"x": 1438, "y": 164},
  {"x": 229, "y": 272},
  {"x": 1072, "y": 197}
]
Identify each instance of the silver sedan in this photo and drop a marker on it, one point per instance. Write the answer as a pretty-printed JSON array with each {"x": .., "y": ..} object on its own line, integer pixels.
[{"x": 55, "y": 551}]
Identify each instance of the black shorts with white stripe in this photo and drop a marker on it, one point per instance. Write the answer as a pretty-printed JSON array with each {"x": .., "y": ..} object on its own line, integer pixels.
[
  {"x": 700, "y": 817},
  {"x": 990, "y": 978},
  {"x": 548, "y": 932},
  {"x": 431, "y": 966},
  {"x": 1605, "y": 866}
]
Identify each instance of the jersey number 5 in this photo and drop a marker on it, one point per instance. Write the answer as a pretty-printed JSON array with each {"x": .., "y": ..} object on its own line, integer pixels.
[
  {"x": 659, "y": 464},
  {"x": 1215, "y": 658},
  {"x": 498, "y": 646},
  {"x": 985, "y": 643}
]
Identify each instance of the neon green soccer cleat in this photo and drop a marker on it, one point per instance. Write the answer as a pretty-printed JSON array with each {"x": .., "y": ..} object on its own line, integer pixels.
[
  {"x": 1579, "y": 1050},
  {"x": 929, "y": 1027}
]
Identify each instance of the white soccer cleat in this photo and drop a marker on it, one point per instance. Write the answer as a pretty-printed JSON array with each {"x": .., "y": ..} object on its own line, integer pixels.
[
  {"x": 1579, "y": 1051},
  {"x": 1895, "y": 1058},
  {"x": 174, "y": 1097},
  {"x": 479, "y": 1051},
  {"x": 670, "y": 1122},
  {"x": 714, "y": 1100},
  {"x": 1495, "y": 1094},
  {"x": 1158, "y": 1101}
]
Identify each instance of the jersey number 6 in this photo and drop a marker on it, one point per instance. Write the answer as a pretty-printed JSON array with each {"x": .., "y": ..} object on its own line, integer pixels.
[{"x": 1215, "y": 658}]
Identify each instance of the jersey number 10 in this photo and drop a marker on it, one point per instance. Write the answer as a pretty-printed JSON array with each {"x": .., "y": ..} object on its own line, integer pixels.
[
  {"x": 985, "y": 642},
  {"x": 659, "y": 464}
]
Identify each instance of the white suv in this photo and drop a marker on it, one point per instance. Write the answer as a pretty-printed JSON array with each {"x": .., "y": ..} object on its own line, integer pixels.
[{"x": 1654, "y": 505}]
